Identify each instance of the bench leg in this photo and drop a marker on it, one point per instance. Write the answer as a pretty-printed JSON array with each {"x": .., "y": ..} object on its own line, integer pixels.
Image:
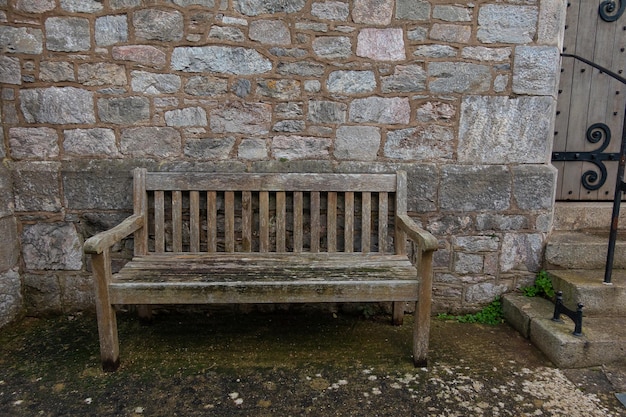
[
  {"x": 421, "y": 323},
  {"x": 107, "y": 321},
  {"x": 144, "y": 311},
  {"x": 397, "y": 313}
]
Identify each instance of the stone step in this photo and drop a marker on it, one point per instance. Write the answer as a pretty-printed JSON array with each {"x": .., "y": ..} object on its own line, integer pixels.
[
  {"x": 603, "y": 340},
  {"x": 583, "y": 250},
  {"x": 584, "y": 215},
  {"x": 588, "y": 287}
]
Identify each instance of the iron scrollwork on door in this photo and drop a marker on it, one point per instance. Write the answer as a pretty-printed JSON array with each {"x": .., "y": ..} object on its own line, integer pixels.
[
  {"x": 596, "y": 133},
  {"x": 610, "y": 12}
]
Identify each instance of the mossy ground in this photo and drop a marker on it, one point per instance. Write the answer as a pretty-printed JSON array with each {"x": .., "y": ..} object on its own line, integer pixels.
[{"x": 264, "y": 363}]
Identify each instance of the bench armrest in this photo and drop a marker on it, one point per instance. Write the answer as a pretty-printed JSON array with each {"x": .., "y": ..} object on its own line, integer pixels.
[
  {"x": 425, "y": 240},
  {"x": 103, "y": 240}
]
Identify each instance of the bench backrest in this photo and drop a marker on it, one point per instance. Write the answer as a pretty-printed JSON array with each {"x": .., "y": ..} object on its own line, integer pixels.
[{"x": 216, "y": 212}]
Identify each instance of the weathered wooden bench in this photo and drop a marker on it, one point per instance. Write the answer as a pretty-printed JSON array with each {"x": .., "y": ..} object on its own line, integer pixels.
[{"x": 204, "y": 238}]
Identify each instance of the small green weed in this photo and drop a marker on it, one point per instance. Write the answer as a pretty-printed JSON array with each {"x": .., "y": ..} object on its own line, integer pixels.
[
  {"x": 491, "y": 314},
  {"x": 541, "y": 288}
]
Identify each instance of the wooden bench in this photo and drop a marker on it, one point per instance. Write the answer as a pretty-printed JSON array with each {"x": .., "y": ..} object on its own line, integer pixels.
[{"x": 204, "y": 238}]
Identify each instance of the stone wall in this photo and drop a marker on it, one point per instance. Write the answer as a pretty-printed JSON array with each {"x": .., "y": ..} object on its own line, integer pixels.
[
  {"x": 461, "y": 95},
  {"x": 10, "y": 282}
]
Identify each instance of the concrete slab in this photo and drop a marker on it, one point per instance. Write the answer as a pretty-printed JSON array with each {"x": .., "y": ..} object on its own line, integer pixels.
[{"x": 583, "y": 250}]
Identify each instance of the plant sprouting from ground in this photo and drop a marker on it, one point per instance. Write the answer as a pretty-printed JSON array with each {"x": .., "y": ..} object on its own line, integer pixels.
[
  {"x": 541, "y": 288},
  {"x": 492, "y": 314}
]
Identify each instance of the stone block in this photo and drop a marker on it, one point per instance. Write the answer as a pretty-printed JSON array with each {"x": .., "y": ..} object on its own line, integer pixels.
[
  {"x": 77, "y": 292},
  {"x": 35, "y": 6},
  {"x": 500, "y": 23},
  {"x": 57, "y": 105},
  {"x": 151, "y": 83},
  {"x": 142, "y": 54},
  {"x": 10, "y": 70},
  {"x": 56, "y": 71},
  {"x": 300, "y": 147},
  {"x": 95, "y": 142},
  {"x": 435, "y": 51},
  {"x": 160, "y": 142},
  {"x": 333, "y": 47},
  {"x": 475, "y": 187},
  {"x": 257, "y": 7},
  {"x": 21, "y": 40},
  {"x": 269, "y": 32},
  {"x": 10, "y": 296},
  {"x": 289, "y": 126},
  {"x": 302, "y": 68},
  {"x": 486, "y": 292},
  {"x": 476, "y": 243},
  {"x": 451, "y": 33},
  {"x": 482, "y": 53},
  {"x": 68, "y": 34},
  {"x": 124, "y": 110},
  {"x": 534, "y": 186},
  {"x": 42, "y": 293},
  {"x": 521, "y": 252},
  {"x": 6, "y": 192},
  {"x": 279, "y": 89},
  {"x": 359, "y": 143},
  {"x": 372, "y": 12},
  {"x": 405, "y": 79},
  {"x": 383, "y": 110},
  {"x": 110, "y": 30},
  {"x": 536, "y": 70},
  {"x": 204, "y": 3},
  {"x": 239, "y": 117},
  {"x": 458, "y": 77},
  {"x": 36, "y": 186},
  {"x": 452, "y": 13},
  {"x": 220, "y": 59},
  {"x": 227, "y": 34},
  {"x": 210, "y": 148},
  {"x": 206, "y": 86},
  {"x": 51, "y": 246},
  {"x": 436, "y": 111},
  {"x": 189, "y": 116},
  {"x": 381, "y": 44},
  {"x": 497, "y": 130},
  {"x": 81, "y": 6},
  {"x": 468, "y": 263},
  {"x": 9, "y": 248},
  {"x": 351, "y": 82},
  {"x": 331, "y": 10},
  {"x": 422, "y": 143},
  {"x": 252, "y": 149},
  {"x": 552, "y": 23},
  {"x": 327, "y": 112},
  {"x": 412, "y": 9},
  {"x": 102, "y": 73},
  {"x": 33, "y": 142},
  {"x": 500, "y": 222},
  {"x": 164, "y": 25}
]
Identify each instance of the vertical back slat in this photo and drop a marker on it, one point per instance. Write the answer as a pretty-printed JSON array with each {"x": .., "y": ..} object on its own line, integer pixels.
[
  {"x": 177, "y": 221},
  {"x": 264, "y": 221},
  {"x": 246, "y": 221},
  {"x": 331, "y": 222},
  {"x": 229, "y": 221},
  {"x": 401, "y": 208},
  {"x": 383, "y": 210},
  {"x": 348, "y": 233},
  {"x": 315, "y": 221},
  {"x": 281, "y": 222},
  {"x": 211, "y": 221},
  {"x": 194, "y": 221},
  {"x": 159, "y": 222},
  {"x": 140, "y": 204},
  {"x": 298, "y": 210},
  {"x": 366, "y": 221}
]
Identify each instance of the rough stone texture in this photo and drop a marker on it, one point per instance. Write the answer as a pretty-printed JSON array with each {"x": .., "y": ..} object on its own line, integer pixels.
[
  {"x": 9, "y": 251},
  {"x": 151, "y": 83},
  {"x": 279, "y": 89},
  {"x": 42, "y": 293},
  {"x": 90, "y": 142},
  {"x": 142, "y": 54},
  {"x": 552, "y": 23},
  {"x": 435, "y": 51},
  {"x": 458, "y": 77},
  {"x": 327, "y": 112},
  {"x": 56, "y": 71},
  {"x": 51, "y": 246},
  {"x": 534, "y": 186},
  {"x": 36, "y": 186},
  {"x": 271, "y": 32},
  {"x": 206, "y": 86},
  {"x": 124, "y": 110},
  {"x": 412, "y": 9},
  {"x": 161, "y": 142},
  {"x": 435, "y": 111},
  {"x": 405, "y": 79},
  {"x": 235, "y": 117},
  {"x": 6, "y": 193},
  {"x": 475, "y": 187},
  {"x": 190, "y": 116},
  {"x": 110, "y": 30},
  {"x": 57, "y": 105},
  {"x": 381, "y": 44},
  {"x": 486, "y": 292},
  {"x": 185, "y": 3},
  {"x": 359, "y": 143},
  {"x": 499, "y": 130},
  {"x": 81, "y": 6},
  {"x": 536, "y": 70},
  {"x": 498, "y": 23},
  {"x": 10, "y": 70},
  {"x": 21, "y": 40},
  {"x": 351, "y": 82},
  {"x": 299, "y": 147},
  {"x": 68, "y": 34},
  {"x": 331, "y": 10},
  {"x": 482, "y": 53},
  {"x": 333, "y": 47},
  {"x": 33, "y": 143},
  {"x": 380, "y": 110},
  {"x": 420, "y": 143},
  {"x": 221, "y": 59},
  {"x": 10, "y": 296},
  {"x": 101, "y": 73},
  {"x": 372, "y": 12},
  {"x": 257, "y": 7},
  {"x": 451, "y": 33},
  {"x": 160, "y": 25},
  {"x": 521, "y": 252},
  {"x": 253, "y": 149},
  {"x": 227, "y": 33},
  {"x": 500, "y": 222},
  {"x": 209, "y": 148},
  {"x": 35, "y": 6},
  {"x": 452, "y": 13},
  {"x": 304, "y": 69}
]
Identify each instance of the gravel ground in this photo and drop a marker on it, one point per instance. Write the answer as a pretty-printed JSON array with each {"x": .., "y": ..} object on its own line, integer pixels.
[{"x": 289, "y": 363}]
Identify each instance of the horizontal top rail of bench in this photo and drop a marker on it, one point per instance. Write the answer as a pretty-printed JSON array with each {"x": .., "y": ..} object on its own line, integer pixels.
[{"x": 201, "y": 181}]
